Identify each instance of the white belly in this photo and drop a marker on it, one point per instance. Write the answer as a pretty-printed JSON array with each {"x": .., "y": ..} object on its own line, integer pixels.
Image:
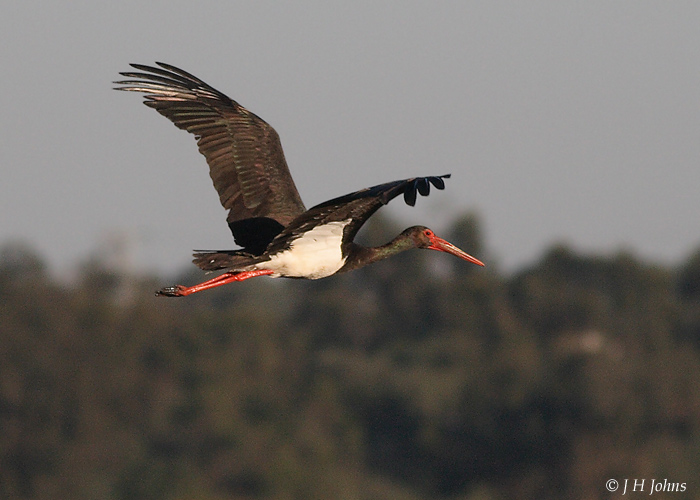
[{"x": 314, "y": 255}]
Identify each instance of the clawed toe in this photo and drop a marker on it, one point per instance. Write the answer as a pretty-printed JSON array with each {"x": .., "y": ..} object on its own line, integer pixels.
[{"x": 171, "y": 291}]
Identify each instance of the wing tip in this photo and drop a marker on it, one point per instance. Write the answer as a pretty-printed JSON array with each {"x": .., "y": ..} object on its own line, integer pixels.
[{"x": 421, "y": 185}]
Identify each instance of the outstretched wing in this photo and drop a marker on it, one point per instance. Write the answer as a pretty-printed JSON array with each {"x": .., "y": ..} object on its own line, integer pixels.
[
  {"x": 244, "y": 152},
  {"x": 357, "y": 207}
]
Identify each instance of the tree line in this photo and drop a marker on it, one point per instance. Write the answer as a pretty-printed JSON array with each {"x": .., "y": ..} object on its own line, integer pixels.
[{"x": 419, "y": 377}]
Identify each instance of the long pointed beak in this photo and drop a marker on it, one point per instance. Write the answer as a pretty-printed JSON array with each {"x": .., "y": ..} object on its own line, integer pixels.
[{"x": 445, "y": 246}]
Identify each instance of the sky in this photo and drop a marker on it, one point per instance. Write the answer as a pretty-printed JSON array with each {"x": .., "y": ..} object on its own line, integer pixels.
[{"x": 560, "y": 121}]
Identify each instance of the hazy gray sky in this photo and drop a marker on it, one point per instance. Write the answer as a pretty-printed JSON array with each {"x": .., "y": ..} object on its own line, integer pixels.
[{"x": 560, "y": 121}]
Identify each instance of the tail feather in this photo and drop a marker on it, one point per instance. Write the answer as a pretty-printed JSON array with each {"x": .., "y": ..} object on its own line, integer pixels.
[{"x": 215, "y": 260}]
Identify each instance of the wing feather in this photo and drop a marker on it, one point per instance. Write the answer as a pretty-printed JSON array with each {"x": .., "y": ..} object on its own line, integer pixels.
[
  {"x": 357, "y": 207},
  {"x": 244, "y": 153}
]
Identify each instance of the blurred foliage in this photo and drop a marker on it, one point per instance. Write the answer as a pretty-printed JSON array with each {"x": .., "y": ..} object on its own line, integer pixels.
[{"x": 420, "y": 377}]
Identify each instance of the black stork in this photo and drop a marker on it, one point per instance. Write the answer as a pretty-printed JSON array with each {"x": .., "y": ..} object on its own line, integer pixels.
[{"x": 278, "y": 236}]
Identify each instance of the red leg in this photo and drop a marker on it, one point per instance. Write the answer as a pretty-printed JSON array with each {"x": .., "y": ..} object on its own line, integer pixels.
[{"x": 182, "y": 291}]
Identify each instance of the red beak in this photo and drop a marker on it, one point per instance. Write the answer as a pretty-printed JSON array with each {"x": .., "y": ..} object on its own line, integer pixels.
[{"x": 445, "y": 246}]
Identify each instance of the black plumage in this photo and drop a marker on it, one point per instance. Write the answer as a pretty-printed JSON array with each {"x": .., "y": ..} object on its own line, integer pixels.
[
  {"x": 266, "y": 214},
  {"x": 244, "y": 153}
]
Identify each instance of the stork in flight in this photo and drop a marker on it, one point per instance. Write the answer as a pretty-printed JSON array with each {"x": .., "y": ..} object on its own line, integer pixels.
[{"x": 278, "y": 236}]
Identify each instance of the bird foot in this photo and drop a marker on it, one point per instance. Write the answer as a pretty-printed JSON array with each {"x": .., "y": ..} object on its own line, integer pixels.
[
  {"x": 172, "y": 291},
  {"x": 230, "y": 277}
]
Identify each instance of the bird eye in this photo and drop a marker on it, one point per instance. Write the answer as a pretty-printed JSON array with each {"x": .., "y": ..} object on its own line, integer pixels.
[{"x": 428, "y": 232}]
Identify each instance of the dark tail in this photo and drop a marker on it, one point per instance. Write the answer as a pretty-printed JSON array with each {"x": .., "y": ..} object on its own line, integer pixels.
[{"x": 215, "y": 260}]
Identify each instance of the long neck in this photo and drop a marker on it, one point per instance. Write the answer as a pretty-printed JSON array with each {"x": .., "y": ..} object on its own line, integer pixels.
[{"x": 359, "y": 256}]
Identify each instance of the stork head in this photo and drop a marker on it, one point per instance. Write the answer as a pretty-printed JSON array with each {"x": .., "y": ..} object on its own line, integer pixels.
[{"x": 424, "y": 237}]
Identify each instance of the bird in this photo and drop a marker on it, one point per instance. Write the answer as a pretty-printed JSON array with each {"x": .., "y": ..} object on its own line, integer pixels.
[{"x": 277, "y": 235}]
